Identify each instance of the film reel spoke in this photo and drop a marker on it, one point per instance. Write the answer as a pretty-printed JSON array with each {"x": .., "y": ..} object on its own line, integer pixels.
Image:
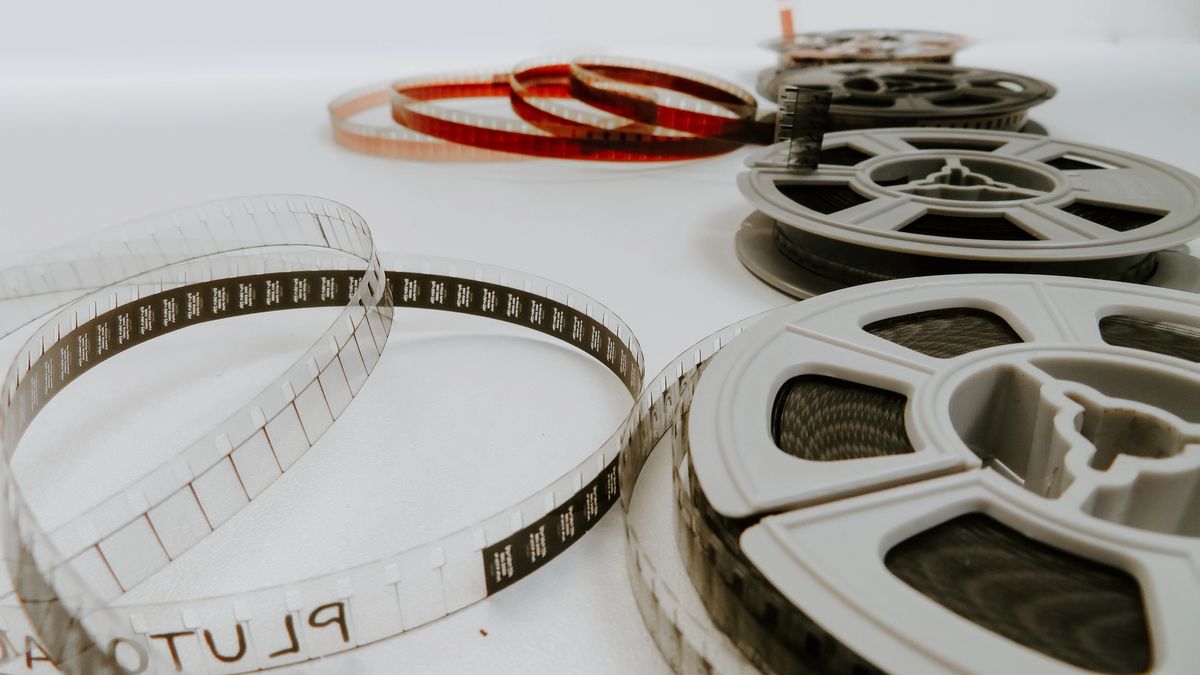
[
  {"x": 1112, "y": 188},
  {"x": 825, "y": 174},
  {"x": 829, "y": 377},
  {"x": 880, "y": 142},
  {"x": 1035, "y": 148},
  {"x": 915, "y": 106},
  {"x": 1054, "y": 224},
  {"x": 887, "y": 214}
]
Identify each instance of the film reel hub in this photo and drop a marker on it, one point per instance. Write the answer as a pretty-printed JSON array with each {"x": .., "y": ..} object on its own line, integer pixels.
[
  {"x": 1069, "y": 424},
  {"x": 965, "y": 177},
  {"x": 977, "y": 474}
]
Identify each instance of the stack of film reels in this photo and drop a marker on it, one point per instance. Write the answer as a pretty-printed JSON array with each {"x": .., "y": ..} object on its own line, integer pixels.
[
  {"x": 977, "y": 449},
  {"x": 974, "y": 446}
]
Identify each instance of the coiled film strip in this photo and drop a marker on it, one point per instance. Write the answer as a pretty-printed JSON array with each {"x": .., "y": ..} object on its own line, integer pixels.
[
  {"x": 844, "y": 506},
  {"x": 228, "y": 259},
  {"x": 644, "y": 112},
  {"x": 890, "y": 203}
]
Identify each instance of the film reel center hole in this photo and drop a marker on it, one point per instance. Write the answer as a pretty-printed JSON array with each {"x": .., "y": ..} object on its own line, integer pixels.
[
  {"x": 1026, "y": 423},
  {"x": 963, "y": 178},
  {"x": 1124, "y": 431}
]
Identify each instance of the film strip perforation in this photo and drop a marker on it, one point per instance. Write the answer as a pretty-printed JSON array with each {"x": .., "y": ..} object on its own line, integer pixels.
[
  {"x": 69, "y": 351},
  {"x": 456, "y": 578}
]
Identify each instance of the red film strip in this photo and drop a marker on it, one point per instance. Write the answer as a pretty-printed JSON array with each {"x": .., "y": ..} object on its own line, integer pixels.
[{"x": 638, "y": 112}]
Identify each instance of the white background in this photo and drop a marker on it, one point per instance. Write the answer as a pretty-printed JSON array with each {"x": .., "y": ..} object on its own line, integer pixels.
[{"x": 113, "y": 110}]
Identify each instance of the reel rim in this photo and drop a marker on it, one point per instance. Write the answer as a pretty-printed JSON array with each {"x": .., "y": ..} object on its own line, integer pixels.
[
  {"x": 754, "y": 243},
  {"x": 811, "y": 579},
  {"x": 1178, "y": 224},
  {"x": 920, "y": 94}
]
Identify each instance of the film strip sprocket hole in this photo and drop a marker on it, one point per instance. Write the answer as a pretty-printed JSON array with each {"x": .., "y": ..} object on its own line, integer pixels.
[
  {"x": 67, "y": 579},
  {"x": 159, "y": 253}
]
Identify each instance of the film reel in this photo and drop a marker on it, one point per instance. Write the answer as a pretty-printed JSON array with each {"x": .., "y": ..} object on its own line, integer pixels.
[
  {"x": 892, "y": 203},
  {"x": 867, "y": 95},
  {"x": 961, "y": 474},
  {"x": 234, "y": 258},
  {"x": 865, "y": 45}
]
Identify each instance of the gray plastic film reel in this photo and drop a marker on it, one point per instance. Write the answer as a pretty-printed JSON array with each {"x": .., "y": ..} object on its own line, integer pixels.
[
  {"x": 1080, "y": 445},
  {"x": 867, "y": 95},
  {"x": 858, "y": 45},
  {"x": 891, "y": 203}
]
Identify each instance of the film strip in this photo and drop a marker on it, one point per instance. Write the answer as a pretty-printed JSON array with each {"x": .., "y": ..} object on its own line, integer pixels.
[
  {"x": 230, "y": 259},
  {"x": 128, "y": 286},
  {"x": 844, "y": 506},
  {"x": 802, "y": 121},
  {"x": 905, "y": 202},
  {"x": 636, "y": 111}
]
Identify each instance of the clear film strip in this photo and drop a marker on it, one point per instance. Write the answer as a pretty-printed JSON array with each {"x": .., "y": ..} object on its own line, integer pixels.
[
  {"x": 688, "y": 641},
  {"x": 164, "y": 273},
  {"x": 67, "y": 579}
]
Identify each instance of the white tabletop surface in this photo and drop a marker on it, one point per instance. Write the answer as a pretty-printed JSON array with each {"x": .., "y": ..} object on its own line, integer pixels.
[{"x": 655, "y": 243}]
